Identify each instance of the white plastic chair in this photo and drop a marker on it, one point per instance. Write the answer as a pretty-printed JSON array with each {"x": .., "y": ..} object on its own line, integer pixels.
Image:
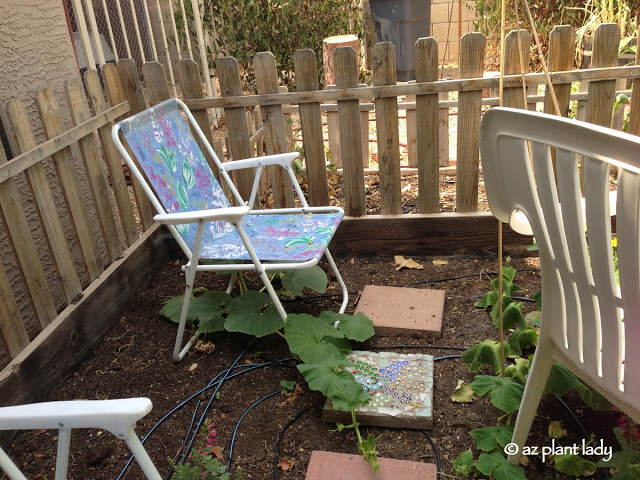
[
  {"x": 118, "y": 417},
  {"x": 588, "y": 324},
  {"x": 190, "y": 201}
]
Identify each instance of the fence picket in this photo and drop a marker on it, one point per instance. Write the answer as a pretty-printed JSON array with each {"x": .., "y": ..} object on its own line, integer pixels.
[
  {"x": 94, "y": 168},
  {"x": 155, "y": 80},
  {"x": 384, "y": 73},
  {"x": 191, "y": 85},
  {"x": 306, "y": 68},
  {"x": 49, "y": 217},
  {"x": 239, "y": 137},
  {"x": 264, "y": 64},
  {"x": 472, "y": 47},
  {"x": 561, "y": 42},
  {"x": 345, "y": 64},
  {"x": 514, "y": 96},
  {"x": 132, "y": 91},
  {"x": 427, "y": 122},
  {"x": 602, "y": 93},
  {"x": 113, "y": 160},
  {"x": 12, "y": 329}
]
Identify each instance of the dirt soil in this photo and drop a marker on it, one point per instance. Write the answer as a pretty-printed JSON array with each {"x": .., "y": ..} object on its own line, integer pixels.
[{"x": 134, "y": 359}]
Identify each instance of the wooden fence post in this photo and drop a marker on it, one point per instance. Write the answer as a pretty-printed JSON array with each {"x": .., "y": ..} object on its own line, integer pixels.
[
  {"x": 306, "y": 68},
  {"x": 561, "y": 41},
  {"x": 412, "y": 133},
  {"x": 346, "y": 76},
  {"x": 239, "y": 136},
  {"x": 384, "y": 73},
  {"x": 191, "y": 85},
  {"x": 113, "y": 159},
  {"x": 514, "y": 96},
  {"x": 472, "y": 48},
  {"x": 15, "y": 219},
  {"x": 130, "y": 89},
  {"x": 58, "y": 245},
  {"x": 602, "y": 93},
  {"x": 264, "y": 64},
  {"x": 12, "y": 329},
  {"x": 427, "y": 143},
  {"x": 93, "y": 164},
  {"x": 443, "y": 131}
]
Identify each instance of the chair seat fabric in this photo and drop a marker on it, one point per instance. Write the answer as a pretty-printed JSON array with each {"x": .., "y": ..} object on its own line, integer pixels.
[{"x": 296, "y": 237}]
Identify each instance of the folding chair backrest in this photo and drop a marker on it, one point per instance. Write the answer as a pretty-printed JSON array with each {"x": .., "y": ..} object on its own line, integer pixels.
[
  {"x": 173, "y": 164},
  {"x": 593, "y": 325}
]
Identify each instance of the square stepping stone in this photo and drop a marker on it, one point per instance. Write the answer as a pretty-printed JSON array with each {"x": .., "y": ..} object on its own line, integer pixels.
[
  {"x": 340, "y": 466},
  {"x": 400, "y": 387},
  {"x": 397, "y": 310}
]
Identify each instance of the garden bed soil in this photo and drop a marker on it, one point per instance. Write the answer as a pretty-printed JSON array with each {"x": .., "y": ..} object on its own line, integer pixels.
[{"x": 134, "y": 359}]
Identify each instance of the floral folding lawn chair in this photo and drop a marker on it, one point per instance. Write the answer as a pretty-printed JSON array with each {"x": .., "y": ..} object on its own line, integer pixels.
[{"x": 213, "y": 234}]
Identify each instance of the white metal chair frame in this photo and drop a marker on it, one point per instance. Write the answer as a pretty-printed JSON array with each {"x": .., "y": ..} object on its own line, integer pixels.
[
  {"x": 233, "y": 215},
  {"x": 588, "y": 324},
  {"x": 118, "y": 417}
]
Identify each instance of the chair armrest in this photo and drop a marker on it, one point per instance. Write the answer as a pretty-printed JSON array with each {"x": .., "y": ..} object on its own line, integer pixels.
[
  {"x": 282, "y": 159},
  {"x": 231, "y": 214},
  {"x": 116, "y": 416}
]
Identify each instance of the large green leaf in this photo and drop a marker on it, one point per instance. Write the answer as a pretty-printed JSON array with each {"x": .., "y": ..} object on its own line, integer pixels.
[
  {"x": 462, "y": 393},
  {"x": 522, "y": 337},
  {"x": 348, "y": 394},
  {"x": 485, "y": 353},
  {"x": 512, "y": 316},
  {"x": 518, "y": 371},
  {"x": 464, "y": 464},
  {"x": 561, "y": 380},
  {"x": 208, "y": 309},
  {"x": 254, "y": 314},
  {"x": 574, "y": 465},
  {"x": 508, "y": 288},
  {"x": 490, "y": 438},
  {"x": 593, "y": 398},
  {"x": 325, "y": 377},
  {"x": 313, "y": 278},
  {"x": 495, "y": 465},
  {"x": 503, "y": 392},
  {"x": 305, "y": 336},
  {"x": 356, "y": 327}
]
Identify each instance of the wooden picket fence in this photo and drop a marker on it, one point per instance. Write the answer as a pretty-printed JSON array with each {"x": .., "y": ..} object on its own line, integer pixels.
[{"x": 115, "y": 227}]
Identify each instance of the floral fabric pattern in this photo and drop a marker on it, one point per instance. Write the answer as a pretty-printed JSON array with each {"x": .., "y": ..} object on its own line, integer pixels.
[{"x": 172, "y": 161}]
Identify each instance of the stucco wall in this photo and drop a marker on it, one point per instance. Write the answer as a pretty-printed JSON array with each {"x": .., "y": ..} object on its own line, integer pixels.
[{"x": 35, "y": 52}]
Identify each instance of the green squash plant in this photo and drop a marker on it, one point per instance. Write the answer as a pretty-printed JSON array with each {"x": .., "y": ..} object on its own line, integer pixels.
[
  {"x": 320, "y": 347},
  {"x": 505, "y": 392}
]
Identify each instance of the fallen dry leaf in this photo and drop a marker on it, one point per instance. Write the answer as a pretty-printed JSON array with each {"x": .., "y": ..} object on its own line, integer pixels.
[
  {"x": 193, "y": 367},
  {"x": 217, "y": 451},
  {"x": 440, "y": 262},
  {"x": 205, "y": 347},
  {"x": 406, "y": 263},
  {"x": 285, "y": 464}
]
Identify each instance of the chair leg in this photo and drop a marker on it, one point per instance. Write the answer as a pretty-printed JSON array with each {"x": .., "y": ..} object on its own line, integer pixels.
[
  {"x": 178, "y": 351},
  {"x": 141, "y": 456},
  {"x": 533, "y": 390},
  {"x": 62, "y": 459},
  {"x": 8, "y": 467},
  {"x": 343, "y": 287}
]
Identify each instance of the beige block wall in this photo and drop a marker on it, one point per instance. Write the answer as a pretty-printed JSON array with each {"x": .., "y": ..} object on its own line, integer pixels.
[
  {"x": 444, "y": 26},
  {"x": 35, "y": 52}
]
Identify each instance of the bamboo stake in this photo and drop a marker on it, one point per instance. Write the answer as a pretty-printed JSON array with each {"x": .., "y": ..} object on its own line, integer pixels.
[
  {"x": 202, "y": 47},
  {"x": 94, "y": 33},
  {"x": 166, "y": 48},
  {"x": 500, "y": 102},
  {"x": 137, "y": 29},
  {"x": 113, "y": 42},
  {"x": 552, "y": 92},
  {"x": 124, "y": 29},
  {"x": 187, "y": 34},
  {"x": 84, "y": 35},
  {"x": 175, "y": 31},
  {"x": 521, "y": 57},
  {"x": 153, "y": 40}
]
